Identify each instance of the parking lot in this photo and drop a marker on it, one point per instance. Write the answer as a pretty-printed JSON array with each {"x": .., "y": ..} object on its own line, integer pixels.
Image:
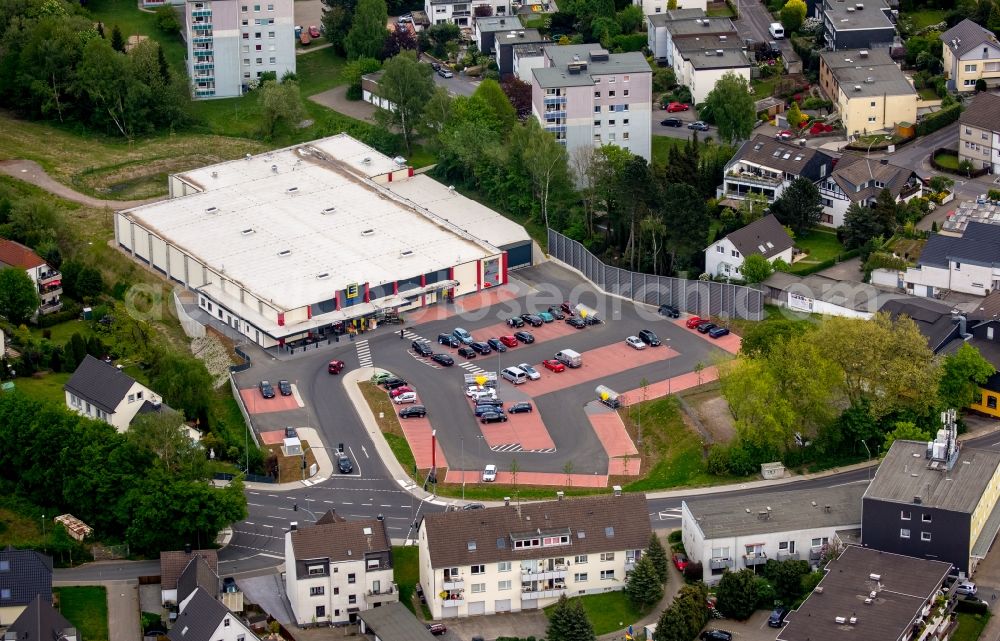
[{"x": 753, "y": 629}]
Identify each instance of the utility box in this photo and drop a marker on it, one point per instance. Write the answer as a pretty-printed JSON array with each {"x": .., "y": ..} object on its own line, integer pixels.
[
  {"x": 292, "y": 446},
  {"x": 772, "y": 471}
]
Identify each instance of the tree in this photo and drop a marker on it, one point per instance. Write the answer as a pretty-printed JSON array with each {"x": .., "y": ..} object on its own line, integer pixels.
[
  {"x": 644, "y": 587},
  {"x": 904, "y": 431},
  {"x": 436, "y": 114},
  {"x": 166, "y": 19},
  {"x": 794, "y": 115},
  {"x": 18, "y": 295},
  {"x": 630, "y": 18},
  {"x": 980, "y": 85},
  {"x": 569, "y": 622},
  {"x": 368, "y": 30},
  {"x": 962, "y": 373},
  {"x": 337, "y": 24},
  {"x": 732, "y": 107},
  {"x": 33, "y": 222},
  {"x": 406, "y": 84},
  {"x": 103, "y": 77},
  {"x": 737, "y": 594},
  {"x": 89, "y": 283},
  {"x": 786, "y": 577},
  {"x": 490, "y": 92},
  {"x": 117, "y": 39},
  {"x": 886, "y": 212},
  {"x": 280, "y": 104},
  {"x": 184, "y": 383},
  {"x": 761, "y": 337},
  {"x": 792, "y": 15},
  {"x": 686, "y": 218},
  {"x": 354, "y": 70},
  {"x": 397, "y": 41},
  {"x": 162, "y": 434},
  {"x": 657, "y": 555},
  {"x": 440, "y": 35},
  {"x": 799, "y": 205},
  {"x": 860, "y": 226},
  {"x": 545, "y": 162},
  {"x": 756, "y": 269},
  {"x": 519, "y": 94}
]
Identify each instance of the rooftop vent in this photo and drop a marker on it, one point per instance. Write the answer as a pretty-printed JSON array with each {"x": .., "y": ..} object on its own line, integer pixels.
[
  {"x": 292, "y": 190},
  {"x": 248, "y": 231},
  {"x": 709, "y": 52},
  {"x": 718, "y": 52},
  {"x": 329, "y": 210},
  {"x": 840, "y": 620},
  {"x": 215, "y": 174},
  {"x": 869, "y": 80},
  {"x": 617, "y": 489},
  {"x": 285, "y": 252},
  {"x": 722, "y": 37},
  {"x": 875, "y": 577},
  {"x": 853, "y": 620},
  {"x": 248, "y": 156},
  {"x": 869, "y": 600},
  {"x": 705, "y": 23},
  {"x": 367, "y": 160},
  {"x": 559, "y": 495},
  {"x": 849, "y": 10},
  {"x": 212, "y": 210},
  {"x": 857, "y": 87},
  {"x": 274, "y": 168},
  {"x": 406, "y": 253},
  {"x": 324, "y": 276},
  {"x": 863, "y": 53},
  {"x": 859, "y": 6},
  {"x": 367, "y": 232},
  {"x": 399, "y": 160}
]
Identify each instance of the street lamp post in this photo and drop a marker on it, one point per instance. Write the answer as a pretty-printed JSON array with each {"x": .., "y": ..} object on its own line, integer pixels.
[{"x": 43, "y": 525}]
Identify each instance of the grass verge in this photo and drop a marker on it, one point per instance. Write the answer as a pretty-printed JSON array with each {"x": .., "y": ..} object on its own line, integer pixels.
[
  {"x": 61, "y": 333},
  {"x": 86, "y": 607},
  {"x": 820, "y": 245},
  {"x": 608, "y": 612},
  {"x": 46, "y": 387},
  {"x": 290, "y": 468},
  {"x": 662, "y": 146},
  {"x": 406, "y": 574},
  {"x": 947, "y": 159},
  {"x": 970, "y": 626}
]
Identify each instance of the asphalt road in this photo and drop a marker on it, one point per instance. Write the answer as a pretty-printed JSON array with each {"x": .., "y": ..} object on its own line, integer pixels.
[{"x": 753, "y": 23}]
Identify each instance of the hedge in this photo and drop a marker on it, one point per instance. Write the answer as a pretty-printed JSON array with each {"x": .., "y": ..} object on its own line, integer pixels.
[
  {"x": 629, "y": 42},
  {"x": 939, "y": 119}
]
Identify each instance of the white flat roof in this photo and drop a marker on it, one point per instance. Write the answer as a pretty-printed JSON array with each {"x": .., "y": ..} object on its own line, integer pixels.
[
  {"x": 297, "y": 248},
  {"x": 465, "y": 213}
]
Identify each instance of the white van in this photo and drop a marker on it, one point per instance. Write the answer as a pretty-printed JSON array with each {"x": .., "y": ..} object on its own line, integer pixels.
[
  {"x": 515, "y": 375},
  {"x": 569, "y": 358},
  {"x": 776, "y": 30}
]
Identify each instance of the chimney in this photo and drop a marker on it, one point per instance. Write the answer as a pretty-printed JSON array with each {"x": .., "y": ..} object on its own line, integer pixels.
[
  {"x": 617, "y": 490},
  {"x": 294, "y": 525},
  {"x": 380, "y": 517},
  {"x": 506, "y": 501},
  {"x": 559, "y": 495},
  {"x": 884, "y": 161},
  {"x": 187, "y": 548},
  {"x": 962, "y": 330}
]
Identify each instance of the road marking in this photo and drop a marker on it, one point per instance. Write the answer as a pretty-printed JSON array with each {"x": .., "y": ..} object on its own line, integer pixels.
[
  {"x": 669, "y": 513},
  {"x": 328, "y": 501},
  {"x": 384, "y": 505},
  {"x": 850, "y": 483},
  {"x": 364, "y": 353},
  {"x": 367, "y": 504},
  {"x": 346, "y": 503},
  {"x": 365, "y": 451},
  {"x": 249, "y": 523}
]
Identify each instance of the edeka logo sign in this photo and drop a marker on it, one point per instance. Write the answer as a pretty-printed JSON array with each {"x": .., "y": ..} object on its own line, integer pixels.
[{"x": 353, "y": 290}]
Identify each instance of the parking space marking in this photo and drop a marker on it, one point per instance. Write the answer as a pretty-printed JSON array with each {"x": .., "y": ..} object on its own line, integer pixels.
[
  {"x": 506, "y": 447},
  {"x": 364, "y": 353},
  {"x": 669, "y": 514}
]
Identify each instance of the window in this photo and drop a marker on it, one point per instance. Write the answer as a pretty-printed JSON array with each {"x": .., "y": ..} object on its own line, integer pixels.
[
  {"x": 243, "y": 8},
  {"x": 320, "y": 611},
  {"x": 625, "y": 120},
  {"x": 597, "y": 109},
  {"x": 246, "y": 36},
  {"x": 969, "y": 82},
  {"x": 597, "y": 123},
  {"x": 503, "y": 585},
  {"x": 625, "y": 136},
  {"x": 611, "y": 80},
  {"x": 478, "y": 588},
  {"x": 260, "y": 61},
  {"x": 873, "y": 103},
  {"x": 597, "y": 94},
  {"x": 316, "y": 569},
  {"x": 256, "y": 7},
  {"x": 611, "y": 94},
  {"x": 580, "y": 577},
  {"x": 607, "y": 575},
  {"x": 607, "y": 556},
  {"x": 820, "y": 542},
  {"x": 256, "y": 35},
  {"x": 969, "y": 68},
  {"x": 958, "y": 267},
  {"x": 904, "y": 533},
  {"x": 905, "y": 515},
  {"x": 925, "y": 536},
  {"x": 317, "y": 591},
  {"x": 246, "y": 49},
  {"x": 720, "y": 249},
  {"x": 479, "y": 569},
  {"x": 245, "y": 22},
  {"x": 336, "y": 591},
  {"x": 225, "y": 622},
  {"x": 246, "y": 62},
  {"x": 373, "y": 564},
  {"x": 258, "y": 47},
  {"x": 736, "y": 254},
  {"x": 270, "y": 34},
  {"x": 5, "y": 594},
  {"x": 503, "y": 566},
  {"x": 626, "y": 93},
  {"x": 926, "y": 518},
  {"x": 350, "y": 578},
  {"x": 580, "y": 558},
  {"x": 270, "y": 7},
  {"x": 625, "y": 78},
  {"x": 611, "y": 123},
  {"x": 991, "y": 402},
  {"x": 720, "y": 553},
  {"x": 871, "y": 118},
  {"x": 131, "y": 398},
  {"x": 611, "y": 137},
  {"x": 352, "y": 598}
]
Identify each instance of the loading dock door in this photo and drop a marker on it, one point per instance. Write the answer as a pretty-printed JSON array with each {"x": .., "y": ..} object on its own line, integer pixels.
[{"x": 518, "y": 255}]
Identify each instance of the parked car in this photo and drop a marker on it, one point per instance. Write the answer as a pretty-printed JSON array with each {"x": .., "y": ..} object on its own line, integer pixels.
[
  {"x": 965, "y": 588},
  {"x": 680, "y": 561},
  {"x": 694, "y": 322},
  {"x": 445, "y": 73},
  {"x": 443, "y": 359},
  {"x": 492, "y": 417},
  {"x": 334, "y": 367},
  {"x": 449, "y": 340},
  {"x": 515, "y": 322},
  {"x": 472, "y": 391},
  {"x": 669, "y": 311},
  {"x": 474, "y": 506},
  {"x": 567, "y": 308},
  {"x": 421, "y": 348},
  {"x": 716, "y": 635},
  {"x": 344, "y": 464},
  {"x": 466, "y": 352},
  {"x": 547, "y": 317},
  {"x": 785, "y": 134},
  {"x": 699, "y": 125},
  {"x": 777, "y": 618},
  {"x": 488, "y": 407},
  {"x": 674, "y": 107},
  {"x": 229, "y": 585},
  {"x": 530, "y": 371},
  {"x": 974, "y": 600},
  {"x": 532, "y": 319},
  {"x": 706, "y": 327},
  {"x": 525, "y": 337},
  {"x": 672, "y": 122},
  {"x": 413, "y": 411},
  {"x": 578, "y": 323},
  {"x": 392, "y": 383},
  {"x": 435, "y": 66},
  {"x": 314, "y": 31},
  {"x": 489, "y": 473},
  {"x": 400, "y": 390},
  {"x": 404, "y": 398},
  {"x": 265, "y": 389},
  {"x": 592, "y": 320},
  {"x": 291, "y": 432},
  {"x": 554, "y": 365},
  {"x": 382, "y": 377},
  {"x": 520, "y": 408},
  {"x": 462, "y": 335},
  {"x": 437, "y": 629},
  {"x": 481, "y": 348},
  {"x": 648, "y": 337},
  {"x": 635, "y": 342},
  {"x": 556, "y": 313},
  {"x": 718, "y": 332},
  {"x": 496, "y": 345},
  {"x": 509, "y": 341},
  {"x": 285, "y": 387}
]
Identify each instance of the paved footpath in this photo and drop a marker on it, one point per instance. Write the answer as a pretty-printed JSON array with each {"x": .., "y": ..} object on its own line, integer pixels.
[{"x": 31, "y": 172}]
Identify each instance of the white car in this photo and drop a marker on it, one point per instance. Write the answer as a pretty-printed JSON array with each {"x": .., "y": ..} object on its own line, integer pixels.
[
  {"x": 530, "y": 371},
  {"x": 635, "y": 342},
  {"x": 486, "y": 393},
  {"x": 405, "y": 397},
  {"x": 489, "y": 473}
]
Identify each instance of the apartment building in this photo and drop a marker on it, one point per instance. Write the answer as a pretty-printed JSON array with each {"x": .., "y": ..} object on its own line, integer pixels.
[
  {"x": 338, "y": 568},
  {"x": 857, "y": 25},
  {"x": 868, "y": 89},
  {"x": 524, "y": 557},
  {"x": 47, "y": 279},
  {"x": 663, "y": 30},
  {"x": 653, "y": 7},
  {"x": 505, "y": 42},
  {"x": 979, "y": 132},
  {"x": 587, "y": 97},
  {"x": 231, "y": 43},
  {"x": 700, "y": 62},
  {"x": 858, "y": 179},
  {"x": 765, "y": 236},
  {"x": 766, "y": 165},
  {"x": 727, "y": 533},
  {"x": 463, "y": 12},
  {"x": 970, "y": 52}
]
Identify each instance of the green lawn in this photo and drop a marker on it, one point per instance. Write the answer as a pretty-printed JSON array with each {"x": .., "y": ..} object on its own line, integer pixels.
[
  {"x": 61, "y": 333},
  {"x": 925, "y": 17},
  {"x": 927, "y": 93},
  {"x": 86, "y": 608},
  {"x": 131, "y": 21},
  {"x": 608, "y": 612},
  {"x": 970, "y": 626},
  {"x": 763, "y": 87},
  {"x": 948, "y": 160},
  {"x": 721, "y": 12},
  {"x": 820, "y": 244},
  {"x": 406, "y": 574},
  {"x": 661, "y": 147},
  {"x": 44, "y": 387}
]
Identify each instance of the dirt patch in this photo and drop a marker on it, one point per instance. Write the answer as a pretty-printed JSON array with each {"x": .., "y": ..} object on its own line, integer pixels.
[
  {"x": 713, "y": 412},
  {"x": 290, "y": 468}
]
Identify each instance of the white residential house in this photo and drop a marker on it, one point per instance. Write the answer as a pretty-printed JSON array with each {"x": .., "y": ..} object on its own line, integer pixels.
[
  {"x": 730, "y": 533},
  {"x": 970, "y": 53},
  {"x": 969, "y": 264},
  {"x": 462, "y": 12},
  {"x": 764, "y": 236},
  {"x": 101, "y": 391},
  {"x": 203, "y": 617},
  {"x": 652, "y": 7},
  {"x": 47, "y": 279},
  {"x": 700, "y": 62},
  {"x": 338, "y": 568},
  {"x": 766, "y": 166},
  {"x": 857, "y": 179},
  {"x": 524, "y": 557},
  {"x": 664, "y": 30}
]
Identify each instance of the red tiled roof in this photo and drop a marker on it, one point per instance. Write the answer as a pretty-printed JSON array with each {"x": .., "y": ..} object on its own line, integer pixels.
[{"x": 17, "y": 255}]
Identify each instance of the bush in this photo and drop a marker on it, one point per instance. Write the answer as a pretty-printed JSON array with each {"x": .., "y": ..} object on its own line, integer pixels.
[
  {"x": 674, "y": 537},
  {"x": 718, "y": 460},
  {"x": 937, "y": 120},
  {"x": 70, "y": 311},
  {"x": 633, "y": 42},
  {"x": 167, "y": 20},
  {"x": 693, "y": 571}
]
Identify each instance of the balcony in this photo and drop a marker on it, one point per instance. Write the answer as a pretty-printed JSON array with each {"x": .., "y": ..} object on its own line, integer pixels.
[
  {"x": 788, "y": 556},
  {"x": 554, "y": 100},
  {"x": 50, "y": 307},
  {"x": 47, "y": 277},
  {"x": 720, "y": 564},
  {"x": 753, "y": 178},
  {"x": 201, "y": 13},
  {"x": 910, "y": 190},
  {"x": 558, "y": 572},
  {"x": 453, "y": 601},
  {"x": 555, "y": 113},
  {"x": 204, "y": 66},
  {"x": 202, "y": 39},
  {"x": 202, "y": 26},
  {"x": 453, "y": 583},
  {"x": 461, "y": 14},
  {"x": 50, "y": 292},
  {"x": 383, "y": 595},
  {"x": 552, "y": 129},
  {"x": 551, "y": 593},
  {"x": 754, "y": 558},
  {"x": 204, "y": 93}
]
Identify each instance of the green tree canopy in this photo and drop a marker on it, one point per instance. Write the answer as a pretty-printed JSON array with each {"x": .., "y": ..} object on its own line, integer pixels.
[
  {"x": 490, "y": 92},
  {"x": 962, "y": 373},
  {"x": 799, "y": 205},
  {"x": 644, "y": 587},
  {"x": 280, "y": 105},
  {"x": 163, "y": 434},
  {"x": 904, "y": 431},
  {"x": 368, "y": 30},
  {"x": 860, "y": 226},
  {"x": 686, "y": 218},
  {"x": 792, "y": 15},
  {"x": 737, "y": 594},
  {"x": 756, "y": 268},
  {"x": 569, "y": 622},
  {"x": 732, "y": 107},
  {"x": 761, "y": 337},
  {"x": 18, "y": 295},
  {"x": 658, "y": 556},
  {"x": 406, "y": 84}
]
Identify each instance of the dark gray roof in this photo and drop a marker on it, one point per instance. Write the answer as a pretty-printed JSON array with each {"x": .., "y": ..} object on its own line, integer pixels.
[
  {"x": 700, "y": 26},
  {"x": 854, "y": 169},
  {"x": 27, "y": 574},
  {"x": 498, "y": 23},
  {"x": 103, "y": 384},
  {"x": 983, "y": 112},
  {"x": 849, "y": 294},
  {"x": 727, "y": 516},
  {"x": 932, "y": 318},
  {"x": 523, "y": 36},
  {"x": 876, "y": 74},
  {"x": 980, "y": 244},
  {"x": 904, "y": 586},
  {"x": 393, "y": 622},
  {"x": 854, "y": 58},
  {"x": 904, "y": 474},
  {"x": 665, "y": 18},
  {"x": 784, "y": 157},
  {"x": 701, "y": 43},
  {"x": 968, "y": 35},
  {"x": 717, "y": 59},
  {"x": 40, "y": 622},
  {"x": 340, "y": 540},
  {"x": 200, "y": 618},
  {"x": 871, "y": 17},
  {"x": 763, "y": 236},
  {"x": 196, "y": 575},
  {"x": 988, "y": 307}
]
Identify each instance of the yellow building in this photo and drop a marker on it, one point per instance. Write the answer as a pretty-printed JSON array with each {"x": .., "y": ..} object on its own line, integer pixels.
[
  {"x": 869, "y": 90},
  {"x": 970, "y": 52}
]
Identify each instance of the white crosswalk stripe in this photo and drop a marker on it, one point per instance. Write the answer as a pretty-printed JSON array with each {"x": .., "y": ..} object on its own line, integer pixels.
[
  {"x": 472, "y": 369},
  {"x": 364, "y": 353},
  {"x": 507, "y": 447}
]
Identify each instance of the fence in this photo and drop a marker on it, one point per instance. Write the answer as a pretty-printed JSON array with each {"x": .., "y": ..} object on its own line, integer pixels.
[
  {"x": 191, "y": 327},
  {"x": 704, "y": 298}
]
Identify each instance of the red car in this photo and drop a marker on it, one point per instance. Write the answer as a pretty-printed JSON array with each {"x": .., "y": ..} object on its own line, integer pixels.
[
  {"x": 694, "y": 321},
  {"x": 314, "y": 32},
  {"x": 677, "y": 106},
  {"x": 567, "y": 308},
  {"x": 554, "y": 365},
  {"x": 335, "y": 366},
  {"x": 680, "y": 561},
  {"x": 785, "y": 134},
  {"x": 509, "y": 341},
  {"x": 400, "y": 390}
]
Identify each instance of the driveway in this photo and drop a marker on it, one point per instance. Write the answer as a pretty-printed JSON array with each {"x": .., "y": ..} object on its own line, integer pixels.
[
  {"x": 846, "y": 270},
  {"x": 336, "y": 99},
  {"x": 753, "y": 629},
  {"x": 658, "y": 115},
  {"x": 31, "y": 172},
  {"x": 517, "y": 624}
]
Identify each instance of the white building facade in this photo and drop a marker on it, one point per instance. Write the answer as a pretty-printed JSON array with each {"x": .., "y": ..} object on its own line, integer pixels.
[
  {"x": 463, "y": 12},
  {"x": 100, "y": 391},
  {"x": 651, "y": 7},
  {"x": 764, "y": 236}
]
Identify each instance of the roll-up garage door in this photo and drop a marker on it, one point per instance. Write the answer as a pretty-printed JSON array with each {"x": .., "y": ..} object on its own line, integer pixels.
[
  {"x": 518, "y": 255},
  {"x": 503, "y": 605},
  {"x": 477, "y": 607}
]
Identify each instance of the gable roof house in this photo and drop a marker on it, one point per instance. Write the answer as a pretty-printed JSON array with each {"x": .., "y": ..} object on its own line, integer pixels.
[
  {"x": 965, "y": 264},
  {"x": 765, "y": 236},
  {"x": 765, "y": 165},
  {"x": 979, "y": 131},
  {"x": 103, "y": 392},
  {"x": 25, "y": 575},
  {"x": 205, "y": 618},
  {"x": 173, "y": 563},
  {"x": 41, "y": 622},
  {"x": 857, "y": 179},
  {"x": 47, "y": 280},
  {"x": 970, "y": 52}
]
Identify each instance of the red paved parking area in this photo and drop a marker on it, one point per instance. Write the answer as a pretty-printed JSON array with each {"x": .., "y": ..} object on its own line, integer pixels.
[
  {"x": 418, "y": 434},
  {"x": 526, "y": 429},
  {"x": 676, "y": 384},
  {"x": 597, "y": 363},
  {"x": 257, "y": 404},
  {"x": 624, "y": 466},
  {"x": 274, "y": 437},
  {"x": 467, "y": 303},
  {"x": 548, "y": 331},
  {"x": 731, "y": 342},
  {"x": 554, "y": 479},
  {"x": 610, "y": 430}
]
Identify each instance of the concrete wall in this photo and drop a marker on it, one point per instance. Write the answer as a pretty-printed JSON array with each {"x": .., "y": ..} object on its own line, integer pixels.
[
  {"x": 650, "y": 7},
  {"x": 191, "y": 327}
]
